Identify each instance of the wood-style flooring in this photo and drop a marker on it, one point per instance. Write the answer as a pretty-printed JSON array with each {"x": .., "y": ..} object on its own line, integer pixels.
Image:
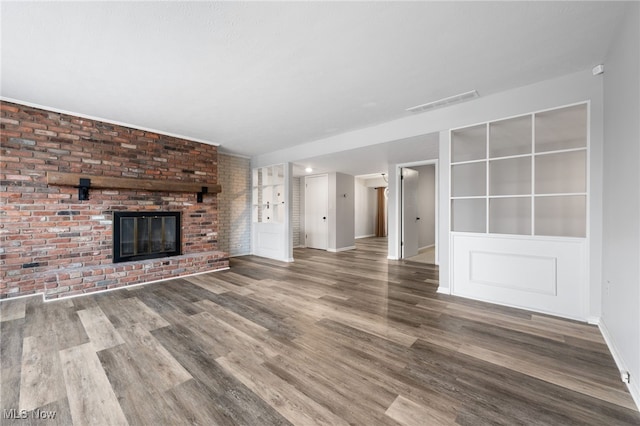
[{"x": 331, "y": 339}]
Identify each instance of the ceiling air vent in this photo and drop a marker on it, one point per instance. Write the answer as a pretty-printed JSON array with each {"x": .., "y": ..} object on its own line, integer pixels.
[{"x": 444, "y": 102}]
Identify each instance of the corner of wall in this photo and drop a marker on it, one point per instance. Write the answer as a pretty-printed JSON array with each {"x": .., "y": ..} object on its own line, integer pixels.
[
  {"x": 620, "y": 323},
  {"x": 443, "y": 214},
  {"x": 634, "y": 385}
]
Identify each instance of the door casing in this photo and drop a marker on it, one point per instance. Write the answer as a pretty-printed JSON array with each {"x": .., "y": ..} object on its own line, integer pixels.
[{"x": 398, "y": 204}]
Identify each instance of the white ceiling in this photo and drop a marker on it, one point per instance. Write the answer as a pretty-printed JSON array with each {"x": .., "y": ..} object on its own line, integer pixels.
[
  {"x": 260, "y": 76},
  {"x": 373, "y": 159}
]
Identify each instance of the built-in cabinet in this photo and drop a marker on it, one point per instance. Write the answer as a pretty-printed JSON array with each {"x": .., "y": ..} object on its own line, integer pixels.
[
  {"x": 523, "y": 176},
  {"x": 269, "y": 194},
  {"x": 519, "y": 197},
  {"x": 271, "y": 202}
]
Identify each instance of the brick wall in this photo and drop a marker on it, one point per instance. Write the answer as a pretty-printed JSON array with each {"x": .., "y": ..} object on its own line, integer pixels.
[
  {"x": 297, "y": 211},
  {"x": 235, "y": 201},
  {"x": 52, "y": 243}
]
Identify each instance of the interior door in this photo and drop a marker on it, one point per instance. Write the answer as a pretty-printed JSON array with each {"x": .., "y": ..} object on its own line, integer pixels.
[
  {"x": 410, "y": 219},
  {"x": 316, "y": 208}
]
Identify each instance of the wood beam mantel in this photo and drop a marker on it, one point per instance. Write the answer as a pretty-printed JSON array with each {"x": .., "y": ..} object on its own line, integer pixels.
[{"x": 108, "y": 182}]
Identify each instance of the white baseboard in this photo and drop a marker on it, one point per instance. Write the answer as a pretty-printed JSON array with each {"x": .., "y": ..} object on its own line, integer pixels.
[
  {"x": 341, "y": 249},
  {"x": 443, "y": 290},
  {"x": 279, "y": 259},
  {"x": 426, "y": 247},
  {"x": 365, "y": 236},
  {"x": 248, "y": 253},
  {"x": 634, "y": 385},
  {"x": 393, "y": 258},
  {"x": 593, "y": 320}
]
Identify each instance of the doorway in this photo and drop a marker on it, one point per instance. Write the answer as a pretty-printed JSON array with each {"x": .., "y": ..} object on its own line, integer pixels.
[
  {"x": 418, "y": 212},
  {"x": 316, "y": 210}
]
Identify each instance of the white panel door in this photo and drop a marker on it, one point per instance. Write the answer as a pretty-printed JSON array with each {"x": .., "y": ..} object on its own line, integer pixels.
[
  {"x": 410, "y": 219},
  {"x": 316, "y": 209}
]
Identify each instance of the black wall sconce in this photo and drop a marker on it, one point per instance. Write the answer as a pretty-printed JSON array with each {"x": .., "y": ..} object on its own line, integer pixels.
[
  {"x": 199, "y": 195},
  {"x": 83, "y": 189}
]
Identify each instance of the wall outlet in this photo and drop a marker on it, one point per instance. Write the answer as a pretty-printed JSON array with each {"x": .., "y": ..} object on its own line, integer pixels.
[{"x": 626, "y": 377}]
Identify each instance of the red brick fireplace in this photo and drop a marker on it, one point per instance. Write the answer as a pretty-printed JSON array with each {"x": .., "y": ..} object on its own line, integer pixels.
[{"x": 53, "y": 243}]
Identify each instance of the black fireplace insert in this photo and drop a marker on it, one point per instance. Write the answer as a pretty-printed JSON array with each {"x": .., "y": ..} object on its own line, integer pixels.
[{"x": 145, "y": 235}]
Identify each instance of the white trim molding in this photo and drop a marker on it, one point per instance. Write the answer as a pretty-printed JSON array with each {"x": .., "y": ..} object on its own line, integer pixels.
[
  {"x": 365, "y": 236},
  {"x": 341, "y": 249},
  {"x": 240, "y": 254}
]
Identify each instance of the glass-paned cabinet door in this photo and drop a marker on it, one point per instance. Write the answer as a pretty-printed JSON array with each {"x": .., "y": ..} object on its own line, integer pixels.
[
  {"x": 528, "y": 174},
  {"x": 561, "y": 129},
  {"x": 560, "y": 187},
  {"x": 511, "y": 215},
  {"x": 562, "y": 216},
  {"x": 469, "y": 179},
  {"x": 510, "y": 137},
  {"x": 562, "y": 172},
  {"x": 268, "y": 194},
  {"x": 469, "y": 144},
  {"x": 469, "y": 215},
  {"x": 510, "y": 176}
]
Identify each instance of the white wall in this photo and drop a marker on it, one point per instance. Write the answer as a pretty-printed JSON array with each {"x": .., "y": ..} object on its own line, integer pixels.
[
  {"x": 341, "y": 212},
  {"x": 621, "y": 236},
  {"x": 365, "y": 209},
  {"x": 345, "y": 209},
  {"x": 444, "y": 217}
]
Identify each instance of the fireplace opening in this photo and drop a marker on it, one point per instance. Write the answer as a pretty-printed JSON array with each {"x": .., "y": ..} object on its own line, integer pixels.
[{"x": 145, "y": 235}]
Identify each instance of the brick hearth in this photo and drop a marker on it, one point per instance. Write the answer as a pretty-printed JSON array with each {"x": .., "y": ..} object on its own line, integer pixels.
[{"x": 52, "y": 243}]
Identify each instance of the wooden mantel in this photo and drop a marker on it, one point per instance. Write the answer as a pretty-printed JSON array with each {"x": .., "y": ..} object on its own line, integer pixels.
[{"x": 108, "y": 182}]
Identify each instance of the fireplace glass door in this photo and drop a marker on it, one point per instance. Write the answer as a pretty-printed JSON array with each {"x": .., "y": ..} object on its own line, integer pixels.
[{"x": 140, "y": 235}]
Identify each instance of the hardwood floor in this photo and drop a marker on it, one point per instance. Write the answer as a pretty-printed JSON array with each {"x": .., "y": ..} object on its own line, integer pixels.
[{"x": 332, "y": 339}]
